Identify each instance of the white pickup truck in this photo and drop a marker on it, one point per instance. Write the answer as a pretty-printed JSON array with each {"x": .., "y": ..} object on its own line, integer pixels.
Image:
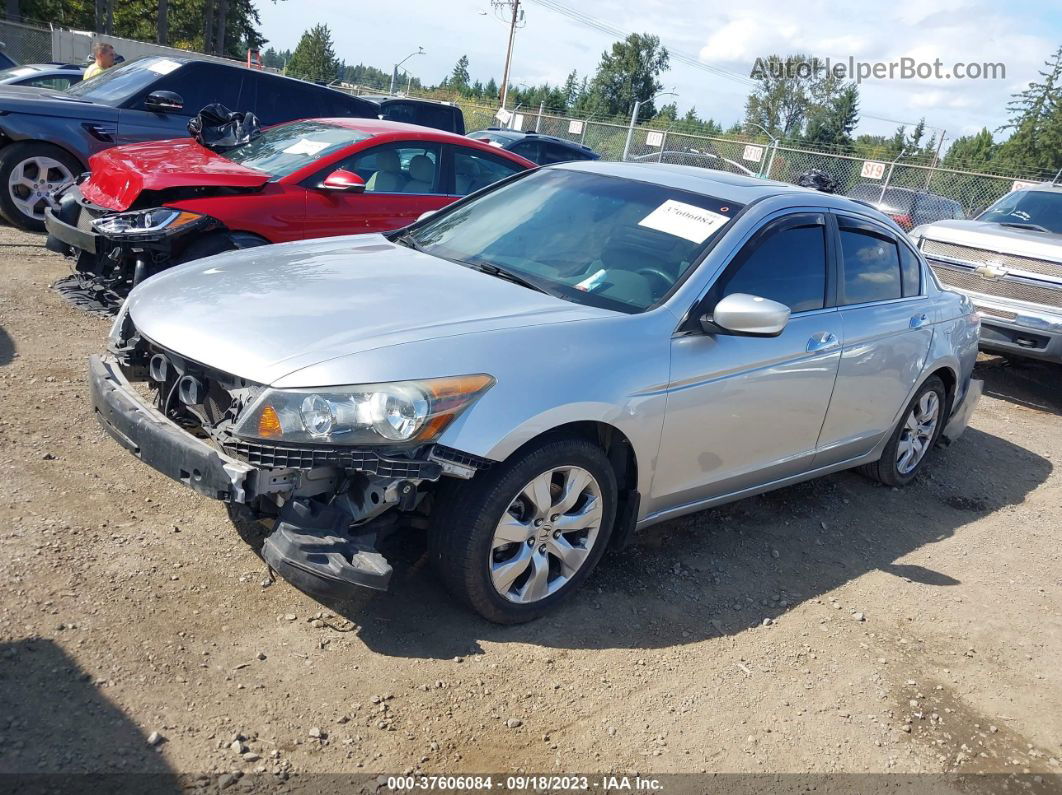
[{"x": 1009, "y": 262}]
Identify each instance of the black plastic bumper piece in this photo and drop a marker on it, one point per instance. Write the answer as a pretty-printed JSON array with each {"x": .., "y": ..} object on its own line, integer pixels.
[
  {"x": 62, "y": 235},
  {"x": 310, "y": 548},
  {"x": 161, "y": 443}
]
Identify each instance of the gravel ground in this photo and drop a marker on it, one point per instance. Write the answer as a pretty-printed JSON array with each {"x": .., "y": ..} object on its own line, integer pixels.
[{"x": 833, "y": 626}]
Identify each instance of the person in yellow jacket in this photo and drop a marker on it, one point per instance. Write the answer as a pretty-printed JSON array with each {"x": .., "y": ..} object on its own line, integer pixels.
[{"x": 104, "y": 55}]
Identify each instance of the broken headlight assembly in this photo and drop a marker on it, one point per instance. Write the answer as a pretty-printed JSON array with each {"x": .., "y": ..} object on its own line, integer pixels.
[
  {"x": 155, "y": 222},
  {"x": 369, "y": 414}
]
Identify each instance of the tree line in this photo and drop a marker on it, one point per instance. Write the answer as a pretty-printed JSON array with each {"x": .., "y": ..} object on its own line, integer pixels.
[{"x": 216, "y": 27}]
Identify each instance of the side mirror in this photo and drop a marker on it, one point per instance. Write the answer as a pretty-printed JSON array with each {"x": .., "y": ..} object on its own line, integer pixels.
[
  {"x": 341, "y": 179},
  {"x": 428, "y": 214},
  {"x": 163, "y": 102},
  {"x": 745, "y": 314}
]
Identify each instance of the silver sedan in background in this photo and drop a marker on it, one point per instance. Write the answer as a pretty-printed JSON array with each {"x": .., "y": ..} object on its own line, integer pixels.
[{"x": 538, "y": 371}]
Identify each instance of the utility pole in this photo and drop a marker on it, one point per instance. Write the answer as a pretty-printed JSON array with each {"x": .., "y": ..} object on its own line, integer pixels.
[{"x": 514, "y": 5}]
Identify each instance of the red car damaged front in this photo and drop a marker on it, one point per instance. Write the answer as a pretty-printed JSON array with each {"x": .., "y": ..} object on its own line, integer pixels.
[{"x": 146, "y": 207}]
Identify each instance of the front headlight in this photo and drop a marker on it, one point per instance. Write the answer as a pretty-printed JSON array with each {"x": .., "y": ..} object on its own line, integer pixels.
[
  {"x": 396, "y": 412},
  {"x": 145, "y": 222}
]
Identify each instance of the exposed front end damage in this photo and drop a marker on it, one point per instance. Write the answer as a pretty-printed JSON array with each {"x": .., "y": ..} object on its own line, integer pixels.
[
  {"x": 107, "y": 264},
  {"x": 330, "y": 507}
]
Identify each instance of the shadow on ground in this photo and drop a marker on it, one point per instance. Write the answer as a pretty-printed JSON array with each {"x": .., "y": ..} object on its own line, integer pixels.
[
  {"x": 60, "y": 733},
  {"x": 1024, "y": 382},
  {"x": 7, "y": 347},
  {"x": 722, "y": 571}
]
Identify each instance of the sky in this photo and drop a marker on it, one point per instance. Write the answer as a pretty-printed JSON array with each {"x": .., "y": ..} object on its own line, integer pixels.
[{"x": 725, "y": 37}]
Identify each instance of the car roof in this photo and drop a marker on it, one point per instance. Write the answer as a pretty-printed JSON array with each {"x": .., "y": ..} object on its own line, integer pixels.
[
  {"x": 374, "y": 127},
  {"x": 516, "y": 135},
  {"x": 1046, "y": 187},
  {"x": 696, "y": 179},
  {"x": 379, "y": 99}
]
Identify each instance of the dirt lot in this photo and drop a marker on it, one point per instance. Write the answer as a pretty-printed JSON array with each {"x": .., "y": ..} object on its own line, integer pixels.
[{"x": 833, "y": 626}]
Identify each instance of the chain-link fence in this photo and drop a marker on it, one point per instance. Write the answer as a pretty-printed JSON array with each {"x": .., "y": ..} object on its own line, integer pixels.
[
  {"x": 25, "y": 43},
  {"x": 891, "y": 185}
]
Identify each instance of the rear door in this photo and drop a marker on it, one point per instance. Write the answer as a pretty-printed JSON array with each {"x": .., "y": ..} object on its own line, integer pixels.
[
  {"x": 888, "y": 327},
  {"x": 404, "y": 179},
  {"x": 198, "y": 84},
  {"x": 743, "y": 411}
]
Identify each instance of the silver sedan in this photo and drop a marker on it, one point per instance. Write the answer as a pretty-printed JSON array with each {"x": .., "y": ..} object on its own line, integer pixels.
[{"x": 539, "y": 371}]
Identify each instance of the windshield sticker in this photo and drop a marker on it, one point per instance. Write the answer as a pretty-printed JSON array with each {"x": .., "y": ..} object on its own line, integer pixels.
[
  {"x": 684, "y": 220},
  {"x": 163, "y": 66},
  {"x": 592, "y": 281},
  {"x": 305, "y": 147}
]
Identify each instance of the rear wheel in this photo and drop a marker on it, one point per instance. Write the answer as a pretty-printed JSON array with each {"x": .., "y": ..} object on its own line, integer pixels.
[
  {"x": 521, "y": 537},
  {"x": 918, "y": 430},
  {"x": 29, "y": 173}
]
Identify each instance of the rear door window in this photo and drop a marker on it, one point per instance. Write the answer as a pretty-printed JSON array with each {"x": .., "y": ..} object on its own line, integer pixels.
[
  {"x": 557, "y": 153},
  {"x": 528, "y": 149},
  {"x": 871, "y": 267},
  {"x": 474, "y": 169},
  {"x": 284, "y": 99}
]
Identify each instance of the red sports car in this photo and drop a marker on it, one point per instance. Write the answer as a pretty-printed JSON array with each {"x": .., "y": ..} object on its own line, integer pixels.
[{"x": 148, "y": 206}]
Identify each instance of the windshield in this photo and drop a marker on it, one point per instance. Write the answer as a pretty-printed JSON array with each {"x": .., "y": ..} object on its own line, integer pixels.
[
  {"x": 1031, "y": 208},
  {"x": 117, "y": 84},
  {"x": 286, "y": 148},
  {"x": 592, "y": 239}
]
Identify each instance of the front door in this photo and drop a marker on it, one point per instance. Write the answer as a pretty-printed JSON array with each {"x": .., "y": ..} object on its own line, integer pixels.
[
  {"x": 744, "y": 411},
  {"x": 403, "y": 180}
]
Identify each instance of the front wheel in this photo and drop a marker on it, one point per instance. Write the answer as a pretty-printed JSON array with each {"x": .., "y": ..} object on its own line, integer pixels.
[
  {"x": 30, "y": 172},
  {"x": 919, "y": 428},
  {"x": 521, "y": 537}
]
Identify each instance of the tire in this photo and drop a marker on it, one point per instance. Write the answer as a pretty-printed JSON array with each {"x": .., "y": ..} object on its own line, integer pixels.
[
  {"x": 889, "y": 469},
  {"x": 463, "y": 543},
  {"x": 28, "y": 171}
]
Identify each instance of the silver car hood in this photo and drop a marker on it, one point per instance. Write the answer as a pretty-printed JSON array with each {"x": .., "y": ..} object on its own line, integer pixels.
[
  {"x": 264, "y": 313},
  {"x": 996, "y": 237}
]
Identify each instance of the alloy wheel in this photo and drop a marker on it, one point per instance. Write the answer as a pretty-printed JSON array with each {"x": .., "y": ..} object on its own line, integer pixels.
[
  {"x": 32, "y": 182},
  {"x": 918, "y": 431},
  {"x": 546, "y": 534}
]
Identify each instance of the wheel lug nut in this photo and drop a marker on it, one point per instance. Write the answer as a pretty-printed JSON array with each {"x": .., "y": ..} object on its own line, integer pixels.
[
  {"x": 530, "y": 542},
  {"x": 542, "y": 549},
  {"x": 538, "y": 523},
  {"x": 556, "y": 534},
  {"x": 555, "y": 517}
]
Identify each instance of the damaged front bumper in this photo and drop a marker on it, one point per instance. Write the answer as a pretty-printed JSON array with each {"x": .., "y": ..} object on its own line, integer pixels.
[{"x": 322, "y": 547}]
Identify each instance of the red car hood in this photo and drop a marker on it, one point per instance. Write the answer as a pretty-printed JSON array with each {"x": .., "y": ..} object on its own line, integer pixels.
[{"x": 121, "y": 174}]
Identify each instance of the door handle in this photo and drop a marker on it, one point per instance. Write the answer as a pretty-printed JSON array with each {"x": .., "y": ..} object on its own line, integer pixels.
[
  {"x": 919, "y": 320},
  {"x": 822, "y": 342}
]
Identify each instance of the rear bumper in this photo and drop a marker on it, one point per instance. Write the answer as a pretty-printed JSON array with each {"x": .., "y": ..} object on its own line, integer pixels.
[{"x": 963, "y": 410}]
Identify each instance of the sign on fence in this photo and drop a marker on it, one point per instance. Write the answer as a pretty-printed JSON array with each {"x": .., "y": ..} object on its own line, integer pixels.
[
  {"x": 753, "y": 153},
  {"x": 518, "y": 121},
  {"x": 872, "y": 169},
  {"x": 654, "y": 138},
  {"x": 575, "y": 127},
  {"x": 503, "y": 115},
  {"x": 1022, "y": 184}
]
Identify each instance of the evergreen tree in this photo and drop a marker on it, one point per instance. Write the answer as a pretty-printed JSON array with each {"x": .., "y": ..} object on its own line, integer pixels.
[{"x": 314, "y": 58}]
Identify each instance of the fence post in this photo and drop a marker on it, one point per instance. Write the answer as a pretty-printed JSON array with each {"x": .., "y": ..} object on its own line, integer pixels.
[
  {"x": 630, "y": 130},
  {"x": 538, "y": 121},
  {"x": 663, "y": 146},
  {"x": 586, "y": 123},
  {"x": 770, "y": 158}
]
